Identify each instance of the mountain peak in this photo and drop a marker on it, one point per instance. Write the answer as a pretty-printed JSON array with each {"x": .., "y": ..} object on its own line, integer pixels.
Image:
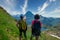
[{"x": 29, "y": 13}]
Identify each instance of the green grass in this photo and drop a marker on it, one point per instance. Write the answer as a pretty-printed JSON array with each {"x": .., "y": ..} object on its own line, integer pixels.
[{"x": 9, "y": 31}]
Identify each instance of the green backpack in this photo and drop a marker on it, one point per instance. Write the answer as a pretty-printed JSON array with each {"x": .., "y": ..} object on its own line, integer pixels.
[{"x": 22, "y": 25}]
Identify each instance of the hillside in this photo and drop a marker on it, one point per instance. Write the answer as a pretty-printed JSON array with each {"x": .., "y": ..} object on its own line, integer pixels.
[{"x": 8, "y": 29}]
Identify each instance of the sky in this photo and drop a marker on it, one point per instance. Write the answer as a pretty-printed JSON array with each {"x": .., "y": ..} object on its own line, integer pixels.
[{"x": 47, "y": 8}]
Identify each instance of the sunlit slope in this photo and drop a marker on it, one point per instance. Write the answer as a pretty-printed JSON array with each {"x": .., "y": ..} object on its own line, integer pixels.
[{"x": 8, "y": 29}]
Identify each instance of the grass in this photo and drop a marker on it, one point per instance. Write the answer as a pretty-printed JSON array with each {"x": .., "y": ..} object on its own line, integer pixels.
[{"x": 8, "y": 29}]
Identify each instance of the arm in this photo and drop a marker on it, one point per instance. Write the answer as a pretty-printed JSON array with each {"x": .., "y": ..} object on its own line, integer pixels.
[
  {"x": 40, "y": 24},
  {"x": 17, "y": 24},
  {"x": 32, "y": 23},
  {"x": 26, "y": 25}
]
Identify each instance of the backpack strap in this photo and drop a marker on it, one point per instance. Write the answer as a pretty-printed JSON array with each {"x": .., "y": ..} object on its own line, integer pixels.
[{"x": 38, "y": 22}]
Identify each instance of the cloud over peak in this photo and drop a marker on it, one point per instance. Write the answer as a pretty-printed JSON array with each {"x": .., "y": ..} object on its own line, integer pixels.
[
  {"x": 44, "y": 6},
  {"x": 24, "y": 6}
]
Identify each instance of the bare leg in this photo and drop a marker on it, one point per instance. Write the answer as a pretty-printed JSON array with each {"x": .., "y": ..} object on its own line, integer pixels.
[
  {"x": 37, "y": 37},
  {"x": 31, "y": 37},
  {"x": 20, "y": 38},
  {"x": 25, "y": 35}
]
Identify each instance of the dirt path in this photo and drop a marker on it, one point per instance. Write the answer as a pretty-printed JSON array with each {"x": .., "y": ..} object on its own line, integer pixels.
[{"x": 54, "y": 36}]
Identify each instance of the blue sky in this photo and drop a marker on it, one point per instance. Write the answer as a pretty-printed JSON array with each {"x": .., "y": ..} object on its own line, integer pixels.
[{"x": 47, "y": 8}]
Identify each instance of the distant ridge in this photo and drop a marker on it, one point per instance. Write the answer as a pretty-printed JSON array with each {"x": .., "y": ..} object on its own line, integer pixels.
[{"x": 45, "y": 21}]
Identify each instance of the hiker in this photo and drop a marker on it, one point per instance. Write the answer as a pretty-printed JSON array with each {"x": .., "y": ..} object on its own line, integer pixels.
[
  {"x": 22, "y": 27},
  {"x": 36, "y": 27}
]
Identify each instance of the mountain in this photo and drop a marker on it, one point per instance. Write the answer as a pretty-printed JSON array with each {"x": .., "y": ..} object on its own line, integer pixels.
[
  {"x": 29, "y": 17},
  {"x": 8, "y": 29},
  {"x": 17, "y": 17},
  {"x": 56, "y": 21},
  {"x": 49, "y": 21},
  {"x": 45, "y": 21}
]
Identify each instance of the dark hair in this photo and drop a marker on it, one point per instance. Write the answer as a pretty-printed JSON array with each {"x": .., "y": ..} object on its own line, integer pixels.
[
  {"x": 21, "y": 17},
  {"x": 36, "y": 16}
]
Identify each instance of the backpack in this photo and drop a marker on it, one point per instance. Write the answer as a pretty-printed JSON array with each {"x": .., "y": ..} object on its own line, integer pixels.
[
  {"x": 36, "y": 26},
  {"x": 22, "y": 25}
]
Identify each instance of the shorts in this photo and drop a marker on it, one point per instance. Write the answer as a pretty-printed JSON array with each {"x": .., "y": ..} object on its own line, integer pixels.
[
  {"x": 22, "y": 31},
  {"x": 36, "y": 32}
]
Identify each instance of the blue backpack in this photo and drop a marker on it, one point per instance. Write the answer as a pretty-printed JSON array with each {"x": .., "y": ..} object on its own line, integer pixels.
[{"x": 36, "y": 27}]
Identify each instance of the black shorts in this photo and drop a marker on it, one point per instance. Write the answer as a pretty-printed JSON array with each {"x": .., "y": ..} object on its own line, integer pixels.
[
  {"x": 22, "y": 31},
  {"x": 36, "y": 32}
]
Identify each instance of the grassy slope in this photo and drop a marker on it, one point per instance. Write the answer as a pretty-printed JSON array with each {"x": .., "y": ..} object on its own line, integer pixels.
[{"x": 9, "y": 31}]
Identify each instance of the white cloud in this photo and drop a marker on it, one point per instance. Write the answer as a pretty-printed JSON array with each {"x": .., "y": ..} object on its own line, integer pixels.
[
  {"x": 9, "y": 6},
  {"x": 52, "y": 0},
  {"x": 24, "y": 6},
  {"x": 39, "y": 8},
  {"x": 43, "y": 7},
  {"x": 55, "y": 13},
  {"x": 15, "y": 12},
  {"x": 10, "y": 3}
]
